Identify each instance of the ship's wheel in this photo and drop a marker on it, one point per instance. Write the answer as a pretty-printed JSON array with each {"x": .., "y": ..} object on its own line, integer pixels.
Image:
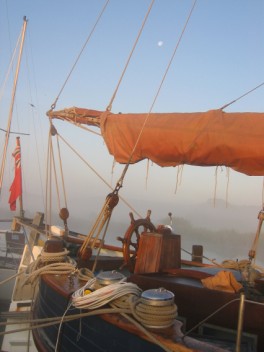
[{"x": 132, "y": 237}]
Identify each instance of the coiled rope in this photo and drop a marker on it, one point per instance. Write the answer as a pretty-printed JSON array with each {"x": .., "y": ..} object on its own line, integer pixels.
[
  {"x": 124, "y": 295},
  {"x": 85, "y": 274},
  {"x": 49, "y": 263},
  {"x": 124, "y": 298},
  {"x": 102, "y": 296},
  {"x": 154, "y": 316}
]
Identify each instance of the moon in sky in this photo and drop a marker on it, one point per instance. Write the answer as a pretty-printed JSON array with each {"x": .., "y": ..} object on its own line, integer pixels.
[{"x": 160, "y": 43}]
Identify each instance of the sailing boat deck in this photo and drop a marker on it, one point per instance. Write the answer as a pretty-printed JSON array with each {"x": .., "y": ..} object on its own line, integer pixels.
[{"x": 118, "y": 332}]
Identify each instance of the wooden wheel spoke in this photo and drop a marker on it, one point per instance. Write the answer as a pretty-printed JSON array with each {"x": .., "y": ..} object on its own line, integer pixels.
[
  {"x": 137, "y": 234},
  {"x": 134, "y": 245}
]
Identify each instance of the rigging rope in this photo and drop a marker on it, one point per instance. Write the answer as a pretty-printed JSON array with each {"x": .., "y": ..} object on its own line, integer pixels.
[
  {"x": 242, "y": 96},
  {"x": 61, "y": 169},
  {"x": 130, "y": 55},
  {"x": 78, "y": 57},
  {"x": 51, "y": 170},
  {"x": 48, "y": 181},
  {"x": 10, "y": 66},
  {"x": 102, "y": 221},
  {"x": 106, "y": 212},
  {"x": 112, "y": 199},
  {"x": 10, "y": 115},
  {"x": 120, "y": 182},
  {"x": 96, "y": 173},
  {"x": 253, "y": 251},
  {"x": 81, "y": 126}
]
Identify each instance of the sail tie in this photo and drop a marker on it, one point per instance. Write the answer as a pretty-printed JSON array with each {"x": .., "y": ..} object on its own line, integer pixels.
[{"x": 253, "y": 250}]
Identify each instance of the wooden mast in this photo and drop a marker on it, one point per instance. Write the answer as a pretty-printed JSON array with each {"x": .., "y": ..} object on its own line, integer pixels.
[{"x": 12, "y": 103}]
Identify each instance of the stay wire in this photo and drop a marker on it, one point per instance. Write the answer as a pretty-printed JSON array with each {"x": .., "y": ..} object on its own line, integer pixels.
[
  {"x": 9, "y": 67},
  {"x": 78, "y": 57},
  {"x": 120, "y": 182},
  {"x": 242, "y": 96},
  {"x": 96, "y": 173},
  {"x": 130, "y": 56}
]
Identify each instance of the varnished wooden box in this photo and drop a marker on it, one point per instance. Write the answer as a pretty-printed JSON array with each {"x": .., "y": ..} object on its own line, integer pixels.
[{"x": 158, "y": 252}]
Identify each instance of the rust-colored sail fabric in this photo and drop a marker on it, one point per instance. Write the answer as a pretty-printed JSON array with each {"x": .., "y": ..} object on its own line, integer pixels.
[
  {"x": 222, "y": 281},
  {"x": 212, "y": 138}
]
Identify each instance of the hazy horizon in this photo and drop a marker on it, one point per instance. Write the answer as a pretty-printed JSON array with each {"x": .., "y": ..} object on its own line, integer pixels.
[
  {"x": 214, "y": 65},
  {"x": 224, "y": 232}
]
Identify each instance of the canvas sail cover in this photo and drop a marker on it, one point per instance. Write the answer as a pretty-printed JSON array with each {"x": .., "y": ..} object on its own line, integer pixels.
[{"x": 212, "y": 138}]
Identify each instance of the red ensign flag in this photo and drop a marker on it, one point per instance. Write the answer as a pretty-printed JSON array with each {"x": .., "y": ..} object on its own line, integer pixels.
[{"x": 16, "y": 187}]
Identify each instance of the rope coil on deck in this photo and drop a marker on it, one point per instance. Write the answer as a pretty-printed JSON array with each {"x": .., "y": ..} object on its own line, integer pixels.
[
  {"x": 55, "y": 263},
  {"x": 125, "y": 299},
  {"x": 85, "y": 274},
  {"x": 53, "y": 257},
  {"x": 154, "y": 316},
  {"x": 126, "y": 296}
]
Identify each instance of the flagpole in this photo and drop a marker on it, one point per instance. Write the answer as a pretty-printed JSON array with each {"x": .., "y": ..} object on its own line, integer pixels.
[{"x": 12, "y": 104}]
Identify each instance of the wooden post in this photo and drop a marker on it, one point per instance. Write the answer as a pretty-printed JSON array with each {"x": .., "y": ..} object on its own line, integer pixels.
[{"x": 197, "y": 253}]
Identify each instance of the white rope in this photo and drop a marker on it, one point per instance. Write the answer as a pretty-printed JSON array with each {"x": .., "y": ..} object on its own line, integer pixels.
[{"x": 103, "y": 295}]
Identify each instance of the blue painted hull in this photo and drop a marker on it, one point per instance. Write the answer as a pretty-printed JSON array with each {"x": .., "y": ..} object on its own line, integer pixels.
[{"x": 88, "y": 334}]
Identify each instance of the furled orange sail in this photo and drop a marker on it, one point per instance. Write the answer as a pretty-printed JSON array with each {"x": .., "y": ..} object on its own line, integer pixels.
[{"x": 212, "y": 138}]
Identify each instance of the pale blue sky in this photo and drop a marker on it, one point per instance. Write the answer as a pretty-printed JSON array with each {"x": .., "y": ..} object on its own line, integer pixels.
[{"x": 220, "y": 58}]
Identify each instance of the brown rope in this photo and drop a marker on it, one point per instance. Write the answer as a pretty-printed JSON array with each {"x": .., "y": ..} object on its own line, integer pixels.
[{"x": 101, "y": 221}]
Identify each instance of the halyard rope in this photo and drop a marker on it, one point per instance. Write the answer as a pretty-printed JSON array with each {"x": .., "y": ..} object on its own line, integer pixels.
[
  {"x": 96, "y": 173},
  {"x": 130, "y": 55},
  {"x": 242, "y": 96},
  {"x": 120, "y": 182},
  {"x": 79, "y": 55}
]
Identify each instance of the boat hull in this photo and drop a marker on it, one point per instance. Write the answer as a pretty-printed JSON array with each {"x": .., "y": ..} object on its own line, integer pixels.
[
  {"x": 196, "y": 303},
  {"x": 88, "y": 334}
]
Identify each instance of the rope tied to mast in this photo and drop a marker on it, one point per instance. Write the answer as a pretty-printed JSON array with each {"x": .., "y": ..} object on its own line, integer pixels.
[
  {"x": 106, "y": 212},
  {"x": 51, "y": 170}
]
